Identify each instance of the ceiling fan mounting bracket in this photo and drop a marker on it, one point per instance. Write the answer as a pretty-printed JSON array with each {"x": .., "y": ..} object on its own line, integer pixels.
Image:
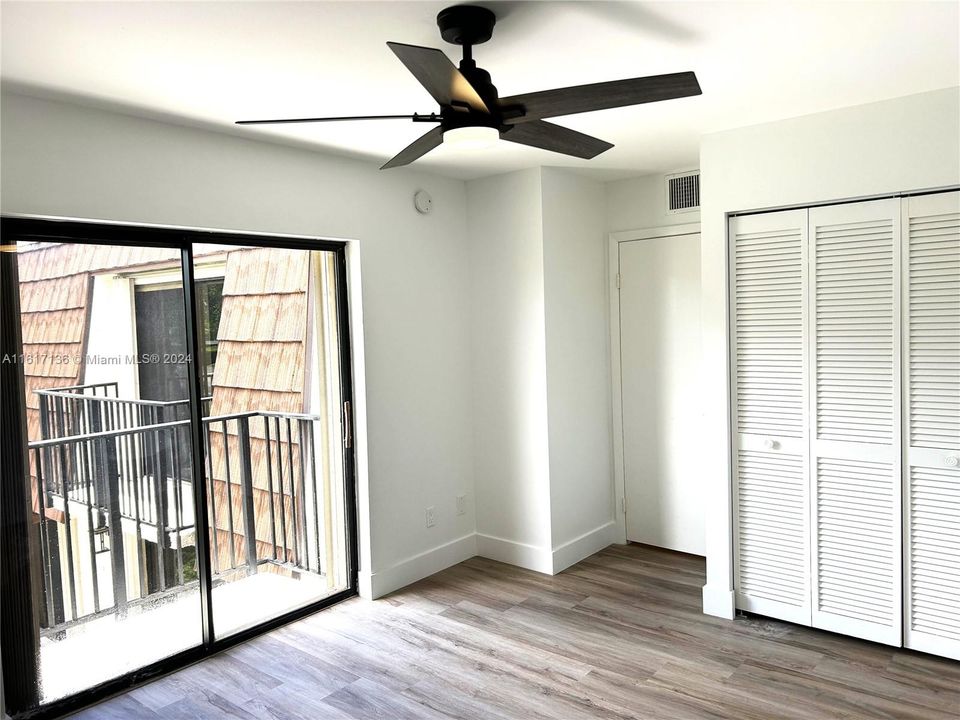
[{"x": 466, "y": 25}]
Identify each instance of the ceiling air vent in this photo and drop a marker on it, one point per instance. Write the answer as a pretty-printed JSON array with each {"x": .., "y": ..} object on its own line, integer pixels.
[{"x": 683, "y": 192}]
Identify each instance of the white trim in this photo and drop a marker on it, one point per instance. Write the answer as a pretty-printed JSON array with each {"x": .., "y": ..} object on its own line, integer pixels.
[
  {"x": 582, "y": 547},
  {"x": 718, "y": 602},
  {"x": 359, "y": 408},
  {"x": 935, "y": 645},
  {"x": 616, "y": 387},
  {"x": 172, "y": 275},
  {"x": 376, "y": 584},
  {"x": 936, "y": 190},
  {"x": 616, "y": 395},
  {"x": 511, "y": 552},
  {"x": 162, "y": 226},
  {"x": 655, "y": 232},
  {"x": 382, "y": 582}
]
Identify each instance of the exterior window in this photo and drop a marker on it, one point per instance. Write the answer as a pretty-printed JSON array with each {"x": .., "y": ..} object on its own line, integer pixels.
[
  {"x": 159, "y": 315},
  {"x": 209, "y": 305},
  {"x": 160, "y": 338}
]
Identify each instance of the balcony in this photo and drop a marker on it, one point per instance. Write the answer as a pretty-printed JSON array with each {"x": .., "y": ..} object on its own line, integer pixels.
[{"x": 113, "y": 482}]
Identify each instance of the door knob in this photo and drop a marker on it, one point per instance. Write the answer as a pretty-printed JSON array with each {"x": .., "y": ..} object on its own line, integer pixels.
[
  {"x": 771, "y": 444},
  {"x": 951, "y": 461}
]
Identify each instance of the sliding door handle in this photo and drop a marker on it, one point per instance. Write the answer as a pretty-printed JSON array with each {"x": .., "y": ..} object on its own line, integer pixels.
[{"x": 347, "y": 426}]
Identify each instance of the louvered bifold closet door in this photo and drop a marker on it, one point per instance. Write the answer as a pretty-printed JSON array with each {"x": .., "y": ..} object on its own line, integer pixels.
[
  {"x": 771, "y": 503},
  {"x": 931, "y": 285},
  {"x": 854, "y": 350}
]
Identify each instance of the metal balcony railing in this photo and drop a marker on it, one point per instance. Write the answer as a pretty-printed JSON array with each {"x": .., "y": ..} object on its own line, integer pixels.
[{"x": 113, "y": 486}]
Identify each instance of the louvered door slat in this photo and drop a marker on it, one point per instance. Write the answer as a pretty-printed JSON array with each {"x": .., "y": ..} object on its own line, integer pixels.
[
  {"x": 931, "y": 278},
  {"x": 855, "y": 399},
  {"x": 771, "y": 503}
]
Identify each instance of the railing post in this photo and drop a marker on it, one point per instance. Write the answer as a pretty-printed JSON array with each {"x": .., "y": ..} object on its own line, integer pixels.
[
  {"x": 160, "y": 499},
  {"x": 52, "y": 535},
  {"x": 95, "y": 426},
  {"x": 111, "y": 486},
  {"x": 246, "y": 487}
]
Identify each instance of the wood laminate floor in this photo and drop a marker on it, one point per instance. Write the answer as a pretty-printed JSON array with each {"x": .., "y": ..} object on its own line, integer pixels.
[{"x": 619, "y": 635}]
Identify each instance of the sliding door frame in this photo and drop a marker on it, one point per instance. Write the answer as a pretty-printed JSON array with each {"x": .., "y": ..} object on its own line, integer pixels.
[{"x": 19, "y": 228}]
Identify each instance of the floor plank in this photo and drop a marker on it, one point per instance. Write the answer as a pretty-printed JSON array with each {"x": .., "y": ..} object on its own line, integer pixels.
[{"x": 616, "y": 637}]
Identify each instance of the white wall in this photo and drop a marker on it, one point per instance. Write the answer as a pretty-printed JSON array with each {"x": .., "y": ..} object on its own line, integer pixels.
[
  {"x": 908, "y": 143},
  {"x": 65, "y": 160},
  {"x": 509, "y": 369},
  {"x": 112, "y": 335},
  {"x": 578, "y": 365},
  {"x": 641, "y": 203},
  {"x": 541, "y": 368}
]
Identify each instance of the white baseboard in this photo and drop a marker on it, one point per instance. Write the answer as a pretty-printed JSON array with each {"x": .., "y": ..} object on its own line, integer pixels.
[
  {"x": 511, "y": 552},
  {"x": 382, "y": 582},
  {"x": 719, "y": 602},
  {"x": 573, "y": 551}
]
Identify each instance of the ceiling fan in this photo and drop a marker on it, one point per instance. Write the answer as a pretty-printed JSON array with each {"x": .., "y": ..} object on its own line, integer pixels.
[{"x": 471, "y": 113}]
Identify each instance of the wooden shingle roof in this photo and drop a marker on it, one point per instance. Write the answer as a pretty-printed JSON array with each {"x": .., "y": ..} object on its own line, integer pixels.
[{"x": 262, "y": 335}]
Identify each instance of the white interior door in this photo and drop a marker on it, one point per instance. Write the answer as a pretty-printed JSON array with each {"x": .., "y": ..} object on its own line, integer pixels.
[
  {"x": 931, "y": 478},
  {"x": 768, "y": 269},
  {"x": 660, "y": 358},
  {"x": 854, "y": 331}
]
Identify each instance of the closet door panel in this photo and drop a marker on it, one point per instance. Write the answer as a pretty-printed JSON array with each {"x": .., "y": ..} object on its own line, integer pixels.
[
  {"x": 771, "y": 499},
  {"x": 854, "y": 348},
  {"x": 931, "y": 479}
]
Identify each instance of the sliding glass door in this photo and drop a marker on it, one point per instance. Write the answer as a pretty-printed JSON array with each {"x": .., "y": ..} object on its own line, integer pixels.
[
  {"x": 273, "y": 434},
  {"x": 176, "y": 469}
]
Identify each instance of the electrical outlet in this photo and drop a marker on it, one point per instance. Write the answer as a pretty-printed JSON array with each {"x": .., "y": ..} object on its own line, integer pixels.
[
  {"x": 431, "y": 516},
  {"x": 461, "y": 504}
]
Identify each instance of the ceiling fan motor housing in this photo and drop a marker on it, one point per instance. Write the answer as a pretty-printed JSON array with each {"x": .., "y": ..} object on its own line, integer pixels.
[
  {"x": 466, "y": 24},
  {"x": 469, "y": 25},
  {"x": 480, "y": 80}
]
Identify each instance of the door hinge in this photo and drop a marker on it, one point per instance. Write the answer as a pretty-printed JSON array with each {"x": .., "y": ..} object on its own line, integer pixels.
[
  {"x": 623, "y": 505},
  {"x": 347, "y": 426},
  {"x": 618, "y": 281}
]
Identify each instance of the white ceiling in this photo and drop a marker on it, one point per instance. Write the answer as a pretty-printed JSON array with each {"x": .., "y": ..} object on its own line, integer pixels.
[{"x": 210, "y": 63}]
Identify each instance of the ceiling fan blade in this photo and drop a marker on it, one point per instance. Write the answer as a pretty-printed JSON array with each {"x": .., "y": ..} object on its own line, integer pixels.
[
  {"x": 418, "y": 148},
  {"x": 601, "y": 96},
  {"x": 424, "y": 118},
  {"x": 547, "y": 136},
  {"x": 439, "y": 76}
]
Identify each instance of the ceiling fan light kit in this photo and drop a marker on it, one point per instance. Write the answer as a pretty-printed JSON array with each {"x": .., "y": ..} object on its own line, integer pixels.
[
  {"x": 471, "y": 138},
  {"x": 473, "y": 115}
]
